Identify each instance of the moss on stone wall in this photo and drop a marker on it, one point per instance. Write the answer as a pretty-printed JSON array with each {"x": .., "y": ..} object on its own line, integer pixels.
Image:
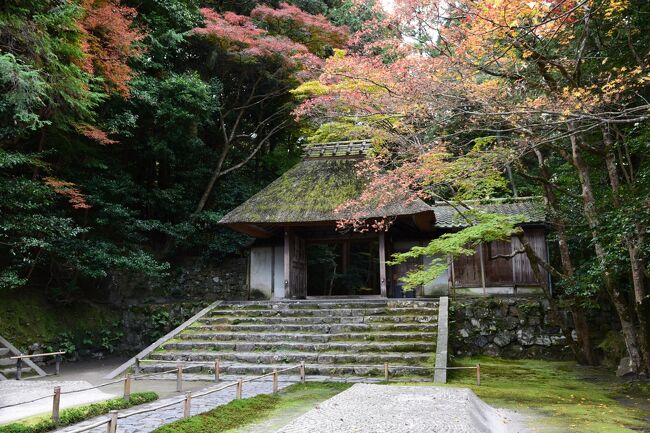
[{"x": 30, "y": 318}]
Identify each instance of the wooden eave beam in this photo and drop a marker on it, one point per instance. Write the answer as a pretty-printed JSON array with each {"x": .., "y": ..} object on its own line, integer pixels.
[{"x": 251, "y": 230}]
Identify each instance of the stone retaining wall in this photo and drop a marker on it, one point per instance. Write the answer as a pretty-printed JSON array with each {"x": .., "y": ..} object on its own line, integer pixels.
[
  {"x": 144, "y": 324},
  {"x": 150, "y": 309},
  {"x": 194, "y": 279},
  {"x": 514, "y": 327}
]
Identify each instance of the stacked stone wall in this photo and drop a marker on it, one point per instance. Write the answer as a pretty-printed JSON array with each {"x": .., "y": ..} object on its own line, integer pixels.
[{"x": 515, "y": 327}]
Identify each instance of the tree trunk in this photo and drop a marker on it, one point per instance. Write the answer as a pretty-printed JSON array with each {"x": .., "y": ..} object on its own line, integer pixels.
[
  {"x": 586, "y": 353},
  {"x": 636, "y": 264},
  {"x": 213, "y": 179},
  {"x": 615, "y": 295},
  {"x": 535, "y": 263}
]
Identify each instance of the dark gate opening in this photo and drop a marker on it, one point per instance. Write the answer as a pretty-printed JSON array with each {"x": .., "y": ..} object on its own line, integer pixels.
[{"x": 343, "y": 268}]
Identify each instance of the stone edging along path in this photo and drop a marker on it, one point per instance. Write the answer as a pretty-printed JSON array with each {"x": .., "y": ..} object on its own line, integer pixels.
[{"x": 146, "y": 422}]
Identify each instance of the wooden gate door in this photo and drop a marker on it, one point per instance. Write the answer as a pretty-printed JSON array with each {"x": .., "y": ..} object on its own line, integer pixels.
[
  {"x": 299, "y": 267},
  {"x": 295, "y": 266}
]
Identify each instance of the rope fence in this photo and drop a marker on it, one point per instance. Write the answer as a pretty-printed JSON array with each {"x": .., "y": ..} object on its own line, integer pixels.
[{"x": 114, "y": 416}]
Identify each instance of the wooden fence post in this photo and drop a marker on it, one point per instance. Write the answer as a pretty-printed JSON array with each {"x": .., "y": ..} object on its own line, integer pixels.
[
  {"x": 275, "y": 381},
  {"x": 187, "y": 407},
  {"x": 478, "y": 374},
  {"x": 238, "y": 391},
  {"x": 111, "y": 427},
  {"x": 302, "y": 371},
  {"x": 217, "y": 368},
  {"x": 56, "y": 403},
  {"x": 57, "y": 359},
  {"x": 136, "y": 367},
  {"x": 386, "y": 371},
  {"x": 179, "y": 378},
  {"x": 127, "y": 387},
  {"x": 19, "y": 368}
]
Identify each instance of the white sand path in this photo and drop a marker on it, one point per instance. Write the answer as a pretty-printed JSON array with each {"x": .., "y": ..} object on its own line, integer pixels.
[{"x": 366, "y": 408}]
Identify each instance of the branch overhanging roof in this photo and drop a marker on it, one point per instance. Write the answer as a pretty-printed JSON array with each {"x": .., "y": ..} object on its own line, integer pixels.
[
  {"x": 314, "y": 188},
  {"x": 326, "y": 178}
]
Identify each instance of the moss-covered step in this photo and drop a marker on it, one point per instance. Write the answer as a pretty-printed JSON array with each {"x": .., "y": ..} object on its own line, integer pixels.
[
  {"x": 320, "y": 312},
  {"x": 351, "y": 346},
  {"x": 202, "y": 333}
]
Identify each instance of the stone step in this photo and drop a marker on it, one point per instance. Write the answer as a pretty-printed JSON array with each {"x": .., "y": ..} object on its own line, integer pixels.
[
  {"x": 299, "y": 320},
  {"x": 239, "y": 369},
  {"x": 308, "y": 337},
  {"x": 320, "y": 312},
  {"x": 10, "y": 373},
  {"x": 7, "y": 362},
  {"x": 328, "y": 305},
  {"x": 319, "y": 328},
  {"x": 408, "y": 358},
  {"x": 248, "y": 346}
]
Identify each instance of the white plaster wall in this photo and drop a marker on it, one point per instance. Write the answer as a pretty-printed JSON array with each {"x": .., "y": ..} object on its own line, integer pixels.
[
  {"x": 278, "y": 283},
  {"x": 261, "y": 270}
]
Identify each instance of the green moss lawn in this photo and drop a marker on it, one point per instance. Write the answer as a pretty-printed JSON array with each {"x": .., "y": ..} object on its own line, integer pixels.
[{"x": 560, "y": 396}]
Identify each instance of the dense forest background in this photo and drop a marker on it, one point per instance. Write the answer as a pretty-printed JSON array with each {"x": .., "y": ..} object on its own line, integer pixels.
[
  {"x": 116, "y": 116},
  {"x": 129, "y": 128}
]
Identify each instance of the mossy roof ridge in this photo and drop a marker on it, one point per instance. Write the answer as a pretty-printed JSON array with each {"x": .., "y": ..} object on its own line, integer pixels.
[
  {"x": 311, "y": 191},
  {"x": 532, "y": 209}
]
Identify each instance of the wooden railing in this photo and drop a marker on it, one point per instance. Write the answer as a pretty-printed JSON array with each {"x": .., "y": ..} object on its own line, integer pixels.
[
  {"x": 19, "y": 361},
  {"x": 113, "y": 416}
]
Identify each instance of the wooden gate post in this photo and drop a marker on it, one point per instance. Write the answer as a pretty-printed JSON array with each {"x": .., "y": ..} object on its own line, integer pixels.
[
  {"x": 238, "y": 391},
  {"x": 386, "y": 371},
  {"x": 19, "y": 368},
  {"x": 187, "y": 406},
  {"x": 302, "y": 371},
  {"x": 382, "y": 264},
  {"x": 56, "y": 403},
  {"x": 275, "y": 381},
  {"x": 478, "y": 374},
  {"x": 217, "y": 367},
  {"x": 127, "y": 387},
  {"x": 111, "y": 427},
  {"x": 179, "y": 378}
]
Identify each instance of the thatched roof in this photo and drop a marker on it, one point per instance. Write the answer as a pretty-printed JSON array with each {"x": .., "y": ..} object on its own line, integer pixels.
[
  {"x": 326, "y": 178},
  {"x": 310, "y": 192},
  {"x": 531, "y": 208}
]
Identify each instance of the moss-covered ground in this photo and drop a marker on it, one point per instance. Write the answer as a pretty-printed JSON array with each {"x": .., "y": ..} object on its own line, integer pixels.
[
  {"x": 262, "y": 413},
  {"x": 560, "y": 396},
  {"x": 44, "y": 423},
  {"x": 27, "y": 318}
]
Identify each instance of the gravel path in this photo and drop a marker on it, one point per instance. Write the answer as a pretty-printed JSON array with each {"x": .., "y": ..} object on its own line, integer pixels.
[
  {"x": 147, "y": 422},
  {"x": 368, "y": 408},
  {"x": 15, "y": 391}
]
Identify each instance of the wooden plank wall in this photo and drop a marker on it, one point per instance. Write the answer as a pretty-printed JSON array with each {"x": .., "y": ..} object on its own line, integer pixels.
[{"x": 501, "y": 272}]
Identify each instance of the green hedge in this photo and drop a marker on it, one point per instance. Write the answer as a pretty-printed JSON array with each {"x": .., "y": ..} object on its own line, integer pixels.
[{"x": 78, "y": 414}]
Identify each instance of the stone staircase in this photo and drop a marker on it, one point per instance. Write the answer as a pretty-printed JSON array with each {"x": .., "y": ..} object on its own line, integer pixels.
[
  {"x": 8, "y": 365},
  {"x": 333, "y": 337}
]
